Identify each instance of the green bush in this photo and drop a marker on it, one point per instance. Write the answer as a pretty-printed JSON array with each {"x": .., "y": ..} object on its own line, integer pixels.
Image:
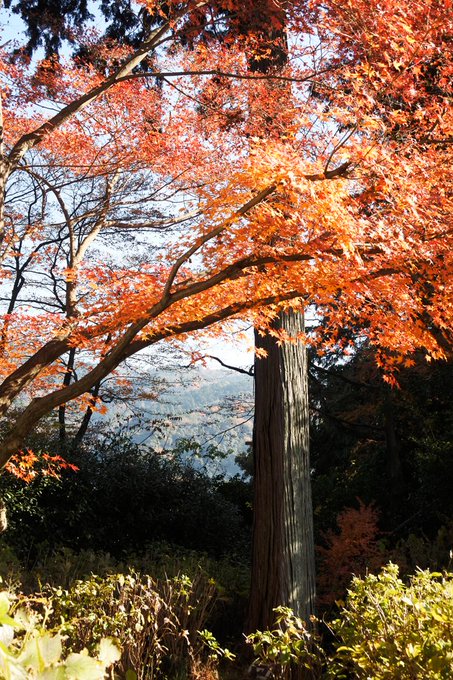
[
  {"x": 37, "y": 653},
  {"x": 160, "y": 625},
  {"x": 122, "y": 498},
  {"x": 289, "y": 645},
  {"x": 62, "y": 567},
  {"x": 393, "y": 631},
  {"x": 156, "y": 621}
]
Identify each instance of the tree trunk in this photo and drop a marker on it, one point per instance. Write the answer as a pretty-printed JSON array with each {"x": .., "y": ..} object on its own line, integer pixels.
[
  {"x": 3, "y": 174},
  {"x": 66, "y": 381},
  {"x": 393, "y": 448},
  {"x": 81, "y": 432},
  {"x": 283, "y": 570}
]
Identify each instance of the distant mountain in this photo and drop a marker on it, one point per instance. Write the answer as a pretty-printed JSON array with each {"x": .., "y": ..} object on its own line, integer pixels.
[{"x": 212, "y": 407}]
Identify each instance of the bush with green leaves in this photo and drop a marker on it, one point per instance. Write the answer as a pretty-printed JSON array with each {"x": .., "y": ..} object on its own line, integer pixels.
[
  {"x": 28, "y": 650},
  {"x": 157, "y": 621},
  {"x": 289, "y": 645},
  {"x": 61, "y": 568},
  {"x": 123, "y": 498},
  {"x": 390, "y": 630}
]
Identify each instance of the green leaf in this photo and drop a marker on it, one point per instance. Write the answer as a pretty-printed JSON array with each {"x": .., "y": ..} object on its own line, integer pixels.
[
  {"x": 53, "y": 674},
  {"x": 50, "y": 648},
  {"x": 4, "y": 604},
  {"x": 10, "y": 667},
  {"x": 40, "y": 652},
  {"x": 413, "y": 650},
  {"x": 29, "y": 657},
  {"x": 108, "y": 652},
  {"x": 82, "y": 667},
  {"x": 130, "y": 675}
]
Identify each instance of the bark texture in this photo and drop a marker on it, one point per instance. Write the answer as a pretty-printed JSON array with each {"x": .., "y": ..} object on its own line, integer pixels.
[{"x": 283, "y": 570}]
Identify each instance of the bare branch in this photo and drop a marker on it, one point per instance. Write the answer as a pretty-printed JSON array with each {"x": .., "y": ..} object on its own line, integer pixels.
[{"x": 238, "y": 369}]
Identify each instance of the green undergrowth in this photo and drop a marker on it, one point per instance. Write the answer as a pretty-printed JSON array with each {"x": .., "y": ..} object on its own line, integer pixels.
[
  {"x": 129, "y": 626},
  {"x": 395, "y": 630},
  {"x": 134, "y": 626},
  {"x": 30, "y": 649},
  {"x": 61, "y": 568}
]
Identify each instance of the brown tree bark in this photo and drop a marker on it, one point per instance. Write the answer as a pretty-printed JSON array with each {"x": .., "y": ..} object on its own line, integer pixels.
[
  {"x": 283, "y": 569},
  {"x": 283, "y": 550}
]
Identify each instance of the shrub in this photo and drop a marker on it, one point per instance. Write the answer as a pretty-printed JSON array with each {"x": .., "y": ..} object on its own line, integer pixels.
[
  {"x": 62, "y": 567},
  {"x": 427, "y": 553},
  {"x": 157, "y": 622},
  {"x": 393, "y": 631},
  {"x": 353, "y": 550},
  {"x": 122, "y": 498},
  {"x": 39, "y": 653},
  {"x": 289, "y": 645}
]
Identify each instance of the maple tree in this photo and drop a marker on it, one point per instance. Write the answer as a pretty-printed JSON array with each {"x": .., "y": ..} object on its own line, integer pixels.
[{"x": 354, "y": 550}]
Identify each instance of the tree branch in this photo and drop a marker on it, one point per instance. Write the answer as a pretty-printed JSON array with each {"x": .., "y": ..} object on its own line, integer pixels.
[{"x": 31, "y": 139}]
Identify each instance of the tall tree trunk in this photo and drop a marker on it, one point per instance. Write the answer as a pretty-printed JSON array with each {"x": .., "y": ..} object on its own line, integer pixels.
[
  {"x": 3, "y": 174},
  {"x": 393, "y": 447},
  {"x": 283, "y": 549},
  {"x": 283, "y": 570}
]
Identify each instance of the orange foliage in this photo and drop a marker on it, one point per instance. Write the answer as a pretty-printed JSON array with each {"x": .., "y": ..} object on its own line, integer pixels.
[
  {"x": 353, "y": 550},
  {"x": 26, "y": 465},
  {"x": 139, "y": 206}
]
